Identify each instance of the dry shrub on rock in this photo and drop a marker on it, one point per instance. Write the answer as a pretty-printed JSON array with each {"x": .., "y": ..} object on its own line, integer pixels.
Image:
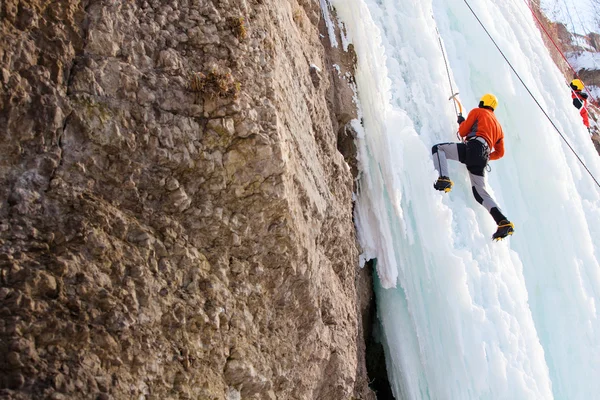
[{"x": 214, "y": 84}]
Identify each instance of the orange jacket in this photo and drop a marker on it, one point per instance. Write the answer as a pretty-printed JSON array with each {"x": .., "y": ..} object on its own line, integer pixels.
[{"x": 482, "y": 122}]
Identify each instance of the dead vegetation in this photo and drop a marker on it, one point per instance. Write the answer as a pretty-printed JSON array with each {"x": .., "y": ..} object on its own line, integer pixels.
[
  {"x": 298, "y": 17},
  {"x": 214, "y": 84},
  {"x": 238, "y": 26}
]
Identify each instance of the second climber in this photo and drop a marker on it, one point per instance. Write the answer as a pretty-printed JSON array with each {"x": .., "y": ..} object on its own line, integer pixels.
[{"x": 580, "y": 100}]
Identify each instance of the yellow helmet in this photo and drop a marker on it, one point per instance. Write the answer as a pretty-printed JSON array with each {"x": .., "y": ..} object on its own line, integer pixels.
[
  {"x": 488, "y": 100},
  {"x": 576, "y": 84}
]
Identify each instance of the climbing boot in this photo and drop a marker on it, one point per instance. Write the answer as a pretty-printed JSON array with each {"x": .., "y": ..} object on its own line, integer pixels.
[
  {"x": 505, "y": 228},
  {"x": 443, "y": 184}
]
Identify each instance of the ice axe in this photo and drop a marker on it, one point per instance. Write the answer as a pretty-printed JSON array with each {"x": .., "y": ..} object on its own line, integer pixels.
[
  {"x": 460, "y": 109},
  {"x": 453, "y": 97}
]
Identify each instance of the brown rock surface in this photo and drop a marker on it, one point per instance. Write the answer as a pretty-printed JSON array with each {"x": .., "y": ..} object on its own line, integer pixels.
[{"x": 176, "y": 218}]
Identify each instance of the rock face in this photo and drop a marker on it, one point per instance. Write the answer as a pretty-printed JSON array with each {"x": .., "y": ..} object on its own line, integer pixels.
[{"x": 176, "y": 217}]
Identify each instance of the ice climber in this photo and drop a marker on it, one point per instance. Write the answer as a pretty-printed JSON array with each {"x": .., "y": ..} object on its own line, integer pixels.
[
  {"x": 580, "y": 100},
  {"x": 481, "y": 132}
]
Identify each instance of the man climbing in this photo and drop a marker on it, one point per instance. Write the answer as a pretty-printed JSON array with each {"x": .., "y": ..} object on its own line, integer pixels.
[
  {"x": 481, "y": 132},
  {"x": 580, "y": 100}
]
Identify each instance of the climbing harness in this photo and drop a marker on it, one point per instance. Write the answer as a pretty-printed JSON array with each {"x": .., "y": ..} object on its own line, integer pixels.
[{"x": 531, "y": 94}]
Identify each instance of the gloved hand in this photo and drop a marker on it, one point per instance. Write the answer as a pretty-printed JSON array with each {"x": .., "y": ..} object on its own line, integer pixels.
[
  {"x": 460, "y": 119},
  {"x": 577, "y": 103}
]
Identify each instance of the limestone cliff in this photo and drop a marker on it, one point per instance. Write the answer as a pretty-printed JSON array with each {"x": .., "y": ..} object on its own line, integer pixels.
[{"x": 176, "y": 216}]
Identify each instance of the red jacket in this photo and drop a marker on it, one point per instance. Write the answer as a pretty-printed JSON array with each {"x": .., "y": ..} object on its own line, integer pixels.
[
  {"x": 482, "y": 122},
  {"x": 581, "y": 103}
]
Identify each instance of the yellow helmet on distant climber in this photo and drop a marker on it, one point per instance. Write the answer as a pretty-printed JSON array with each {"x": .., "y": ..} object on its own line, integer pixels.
[
  {"x": 576, "y": 84},
  {"x": 488, "y": 100}
]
